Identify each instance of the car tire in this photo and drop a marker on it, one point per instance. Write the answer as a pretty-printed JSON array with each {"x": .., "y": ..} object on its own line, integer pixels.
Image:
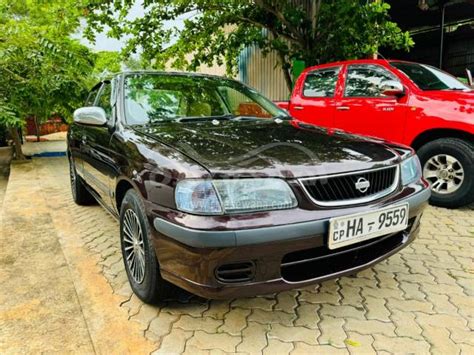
[
  {"x": 442, "y": 161},
  {"x": 80, "y": 195},
  {"x": 141, "y": 263}
]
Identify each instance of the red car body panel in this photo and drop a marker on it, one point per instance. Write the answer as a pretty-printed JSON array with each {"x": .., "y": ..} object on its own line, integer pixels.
[{"x": 394, "y": 119}]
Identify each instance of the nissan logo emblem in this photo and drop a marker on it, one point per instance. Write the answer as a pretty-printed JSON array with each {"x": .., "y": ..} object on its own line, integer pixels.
[{"x": 362, "y": 184}]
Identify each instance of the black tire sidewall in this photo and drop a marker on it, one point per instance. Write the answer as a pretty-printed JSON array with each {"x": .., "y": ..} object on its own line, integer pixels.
[
  {"x": 146, "y": 290},
  {"x": 72, "y": 170},
  {"x": 80, "y": 194},
  {"x": 451, "y": 146}
]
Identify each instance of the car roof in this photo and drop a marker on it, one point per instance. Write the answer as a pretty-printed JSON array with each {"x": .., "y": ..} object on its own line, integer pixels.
[
  {"x": 171, "y": 73},
  {"x": 110, "y": 76},
  {"x": 354, "y": 61}
]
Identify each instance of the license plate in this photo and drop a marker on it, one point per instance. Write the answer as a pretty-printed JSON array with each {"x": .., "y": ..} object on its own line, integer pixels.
[{"x": 358, "y": 227}]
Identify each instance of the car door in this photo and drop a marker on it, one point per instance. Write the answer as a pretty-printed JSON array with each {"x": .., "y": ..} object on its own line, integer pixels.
[
  {"x": 315, "y": 103},
  {"x": 77, "y": 134},
  {"x": 99, "y": 168},
  {"x": 364, "y": 109}
]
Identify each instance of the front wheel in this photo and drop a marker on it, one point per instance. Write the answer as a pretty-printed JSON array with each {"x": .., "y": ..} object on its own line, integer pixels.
[
  {"x": 138, "y": 253},
  {"x": 448, "y": 165}
]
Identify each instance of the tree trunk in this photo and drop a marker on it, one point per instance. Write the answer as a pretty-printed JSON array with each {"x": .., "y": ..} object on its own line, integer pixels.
[
  {"x": 286, "y": 72},
  {"x": 288, "y": 80},
  {"x": 37, "y": 127},
  {"x": 17, "y": 143}
]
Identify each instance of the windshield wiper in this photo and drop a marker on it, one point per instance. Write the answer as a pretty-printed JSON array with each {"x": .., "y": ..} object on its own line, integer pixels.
[
  {"x": 204, "y": 118},
  {"x": 283, "y": 117}
]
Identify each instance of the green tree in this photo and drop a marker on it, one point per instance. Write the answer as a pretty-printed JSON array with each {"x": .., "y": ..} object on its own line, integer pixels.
[
  {"x": 42, "y": 70},
  {"x": 215, "y": 31},
  {"x": 106, "y": 62}
]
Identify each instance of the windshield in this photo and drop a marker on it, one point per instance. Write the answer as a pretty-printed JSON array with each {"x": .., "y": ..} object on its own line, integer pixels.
[
  {"x": 427, "y": 77},
  {"x": 152, "y": 98}
]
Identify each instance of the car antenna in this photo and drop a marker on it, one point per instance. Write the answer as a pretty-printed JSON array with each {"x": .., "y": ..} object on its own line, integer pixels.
[{"x": 380, "y": 55}]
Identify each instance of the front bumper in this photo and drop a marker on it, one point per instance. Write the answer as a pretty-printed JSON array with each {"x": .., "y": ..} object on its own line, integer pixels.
[{"x": 282, "y": 257}]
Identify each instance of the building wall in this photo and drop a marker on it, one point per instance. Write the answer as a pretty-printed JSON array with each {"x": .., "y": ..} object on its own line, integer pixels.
[{"x": 263, "y": 73}]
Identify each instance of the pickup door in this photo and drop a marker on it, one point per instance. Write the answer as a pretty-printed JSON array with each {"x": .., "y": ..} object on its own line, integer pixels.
[
  {"x": 314, "y": 99},
  {"x": 363, "y": 109}
]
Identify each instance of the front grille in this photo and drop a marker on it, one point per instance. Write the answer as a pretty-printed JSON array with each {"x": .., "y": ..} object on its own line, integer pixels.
[
  {"x": 342, "y": 189},
  {"x": 238, "y": 272}
]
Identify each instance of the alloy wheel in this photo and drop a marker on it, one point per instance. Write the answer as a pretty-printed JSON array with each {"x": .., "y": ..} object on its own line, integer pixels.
[
  {"x": 444, "y": 172},
  {"x": 133, "y": 245}
]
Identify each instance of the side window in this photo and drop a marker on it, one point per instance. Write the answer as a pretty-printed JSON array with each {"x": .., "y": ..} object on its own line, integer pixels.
[
  {"x": 365, "y": 80},
  {"x": 321, "y": 83},
  {"x": 92, "y": 96},
  {"x": 105, "y": 99}
]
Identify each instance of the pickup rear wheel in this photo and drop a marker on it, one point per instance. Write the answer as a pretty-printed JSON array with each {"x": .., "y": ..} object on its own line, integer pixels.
[
  {"x": 80, "y": 195},
  {"x": 448, "y": 165},
  {"x": 141, "y": 263}
]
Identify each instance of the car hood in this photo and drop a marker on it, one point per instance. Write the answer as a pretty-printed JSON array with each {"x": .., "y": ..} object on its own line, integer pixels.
[
  {"x": 451, "y": 106},
  {"x": 268, "y": 148},
  {"x": 461, "y": 97}
]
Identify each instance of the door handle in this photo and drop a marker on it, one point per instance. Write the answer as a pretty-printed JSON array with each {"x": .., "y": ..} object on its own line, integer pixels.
[
  {"x": 299, "y": 108},
  {"x": 343, "y": 108}
]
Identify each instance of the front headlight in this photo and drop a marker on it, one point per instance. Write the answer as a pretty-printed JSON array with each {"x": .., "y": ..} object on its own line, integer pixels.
[
  {"x": 233, "y": 196},
  {"x": 411, "y": 170}
]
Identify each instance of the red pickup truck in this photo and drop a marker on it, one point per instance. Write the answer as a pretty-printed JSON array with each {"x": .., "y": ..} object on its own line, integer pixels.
[{"x": 410, "y": 103}]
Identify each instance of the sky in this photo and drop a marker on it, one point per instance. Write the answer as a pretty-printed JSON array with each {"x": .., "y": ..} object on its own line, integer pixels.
[{"x": 104, "y": 43}]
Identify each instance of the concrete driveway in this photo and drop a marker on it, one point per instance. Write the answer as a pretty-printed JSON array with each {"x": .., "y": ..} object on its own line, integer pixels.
[{"x": 64, "y": 289}]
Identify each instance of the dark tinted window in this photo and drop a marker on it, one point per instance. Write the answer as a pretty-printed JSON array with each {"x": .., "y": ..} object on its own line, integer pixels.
[
  {"x": 92, "y": 96},
  {"x": 429, "y": 78},
  {"x": 321, "y": 83},
  {"x": 104, "y": 99},
  {"x": 365, "y": 80}
]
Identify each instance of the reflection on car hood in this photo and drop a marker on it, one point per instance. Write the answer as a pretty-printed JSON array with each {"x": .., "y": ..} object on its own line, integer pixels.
[{"x": 267, "y": 148}]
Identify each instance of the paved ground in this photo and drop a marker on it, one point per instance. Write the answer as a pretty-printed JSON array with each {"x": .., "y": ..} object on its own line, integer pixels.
[
  {"x": 3, "y": 187},
  {"x": 418, "y": 301}
]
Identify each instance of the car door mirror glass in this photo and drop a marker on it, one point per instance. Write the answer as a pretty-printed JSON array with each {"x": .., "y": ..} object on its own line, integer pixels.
[
  {"x": 392, "y": 88},
  {"x": 91, "y": 115}
]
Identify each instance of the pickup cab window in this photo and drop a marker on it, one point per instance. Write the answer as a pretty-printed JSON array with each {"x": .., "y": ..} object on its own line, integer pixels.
[
  {"x": 321, "y": 83},
  {"x": 365, "y": 80}
]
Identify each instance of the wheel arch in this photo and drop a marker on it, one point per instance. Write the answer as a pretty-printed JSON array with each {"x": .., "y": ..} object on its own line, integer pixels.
[
  {"x": 437, "y": 133},
  {"x": 123, "y": 185}
]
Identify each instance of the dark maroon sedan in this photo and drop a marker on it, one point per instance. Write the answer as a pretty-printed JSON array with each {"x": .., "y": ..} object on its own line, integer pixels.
[{"x": 219, "y": 192}]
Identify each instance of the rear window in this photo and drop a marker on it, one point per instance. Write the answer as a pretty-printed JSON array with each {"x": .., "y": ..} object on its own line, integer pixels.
[{"x": 321, "y": 83}]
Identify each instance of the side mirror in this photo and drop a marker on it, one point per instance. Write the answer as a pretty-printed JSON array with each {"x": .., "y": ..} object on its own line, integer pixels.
[
  {"x": 392, "y": 88},
  {"x": 92, "y": 116}
]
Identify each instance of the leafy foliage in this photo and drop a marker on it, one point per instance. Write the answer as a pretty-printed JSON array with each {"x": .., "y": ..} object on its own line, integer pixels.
[
  {"x": 106, "y": 63},
  {"x": 215, "y": 31},
  {"x": 42, "y": 70}
]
